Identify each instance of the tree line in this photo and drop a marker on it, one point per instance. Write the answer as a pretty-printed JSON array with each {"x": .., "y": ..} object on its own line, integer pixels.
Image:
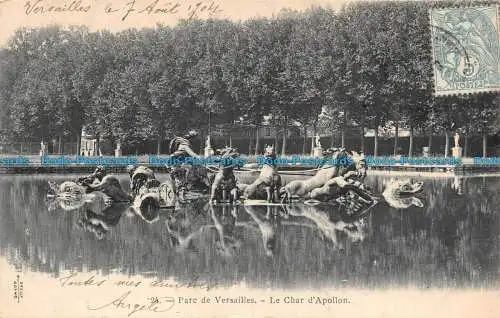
[{"x": 367, "y": 65}]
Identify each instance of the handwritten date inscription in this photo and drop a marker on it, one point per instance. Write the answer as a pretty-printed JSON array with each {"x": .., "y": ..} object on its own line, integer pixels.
[{"x": 187, "y": 9}]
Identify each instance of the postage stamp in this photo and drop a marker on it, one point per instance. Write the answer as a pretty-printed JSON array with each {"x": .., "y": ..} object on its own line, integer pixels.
[{"x": 465, "y": 49}]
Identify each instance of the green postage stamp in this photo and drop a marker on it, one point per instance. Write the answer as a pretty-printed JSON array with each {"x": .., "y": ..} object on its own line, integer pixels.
[{"x": 465, "y": 49}]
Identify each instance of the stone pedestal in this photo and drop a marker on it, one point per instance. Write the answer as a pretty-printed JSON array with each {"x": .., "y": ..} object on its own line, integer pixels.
[
  {"x": 456, "y": 152},
  {"x": 318, "y": 152},
  {"x": 208, "y": 148}
]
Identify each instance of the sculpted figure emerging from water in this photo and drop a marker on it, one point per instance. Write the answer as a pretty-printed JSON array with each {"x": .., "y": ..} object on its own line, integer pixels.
[
  {"x": 224, "y": 185},
  {"x": 268, "y": 180},
  {"x": 338, "y": 162},
  {"x": 187, "y": 176},
  {"x": 99, "y": 180},
  {"x": 99, "y": 212},
  {"x": 95, "y": 190},
  {"x": 149, "y": 193}
]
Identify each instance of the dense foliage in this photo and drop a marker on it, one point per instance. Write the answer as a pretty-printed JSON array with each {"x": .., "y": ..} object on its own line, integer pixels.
[{"x": 368, "y": 65}]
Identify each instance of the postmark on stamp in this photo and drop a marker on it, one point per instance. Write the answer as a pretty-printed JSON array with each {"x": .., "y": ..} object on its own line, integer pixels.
[{"x": 465, "y": 48}]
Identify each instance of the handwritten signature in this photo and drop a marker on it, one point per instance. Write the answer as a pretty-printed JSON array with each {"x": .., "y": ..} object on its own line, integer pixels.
[{"x": 156, "y": 304}]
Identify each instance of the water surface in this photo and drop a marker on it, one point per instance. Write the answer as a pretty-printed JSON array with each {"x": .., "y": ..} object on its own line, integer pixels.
[{"x": 453, "y": 241}]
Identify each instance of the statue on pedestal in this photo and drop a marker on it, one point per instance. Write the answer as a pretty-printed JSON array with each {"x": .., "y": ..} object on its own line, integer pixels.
[
  {"x": 118, "y": 150},
  {"x": 43, "y": 149},
  {"x": 318, "y": 150},
  {"x": 318, "y": 142},
  {"x": 457, "y": 150}
]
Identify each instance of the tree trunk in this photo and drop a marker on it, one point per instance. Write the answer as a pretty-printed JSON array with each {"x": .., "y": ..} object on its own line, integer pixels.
[
  {"x": 396, "y": 135},
  {"x": 375, "y": 142},
  {"x": 343, "y": 137},
  {"x": 160, "y": 139},
  {"x": 446, "y": 144},
  {"x": 304, "y": 145},
  {"x": 283, "y": 146},
  {"x": 98, "y": 145},
  {"x": 312, "y": 145},
  {"x": 332, "y": 140},
  {"x": 202, "y": 143},
  {"x": 312, "y": 140},
  {"x": 59, "y": 148},
  {"x": 257, "y": 146},
  {"x": 485, "y": 145},
  {"x": 276, "y": 141},
  {"x": 410, "y": 147},
  {"x": 250, "y": 145},
  {"x": 466, "y": 145},
  {"x": 344, "y": 128},
  {"x": 362, "y": 132},
  {"x": 78, "y": 144},
  {"x": 430, "y": 142},
  {"x": 158, "y": 145}
]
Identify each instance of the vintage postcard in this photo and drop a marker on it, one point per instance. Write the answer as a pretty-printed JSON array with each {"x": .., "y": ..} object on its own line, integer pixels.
[{"x": 278, "y": 158}]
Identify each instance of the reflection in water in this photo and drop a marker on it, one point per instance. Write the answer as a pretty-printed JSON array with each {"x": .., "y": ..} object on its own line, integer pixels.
[
  {"x": 451, "y": 241},
  {"x": 402, "y": 193},
  {"x": 185, "y": 225},
  {"x": 268, "y": 226},
  {"x": 225, "y": 224},
  {"x": 101, "y": 223},
  {"x": 458, "y": 184},
  {"x": 330, "y": 223},
  {"x": 97, "y": 211}
]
